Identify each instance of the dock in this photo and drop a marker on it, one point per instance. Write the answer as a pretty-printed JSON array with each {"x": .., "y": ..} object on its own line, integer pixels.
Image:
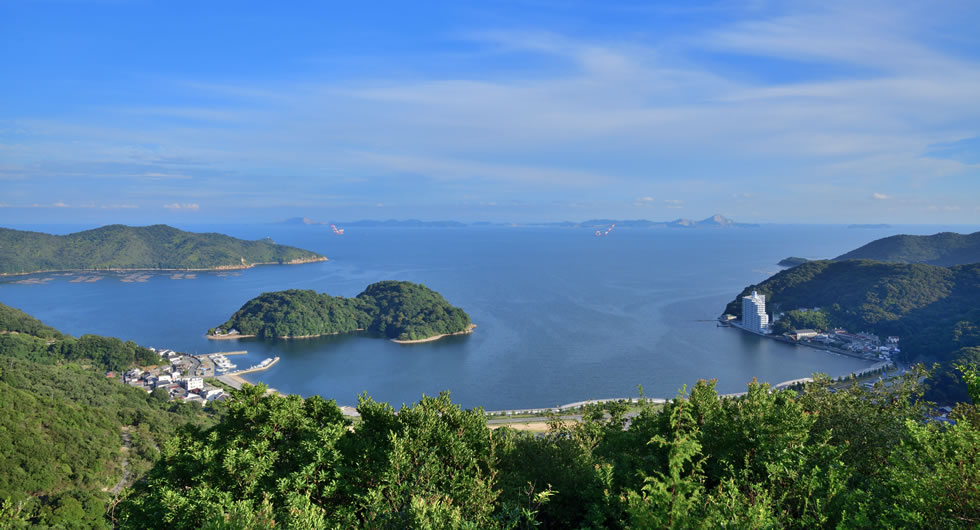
[
  {"x": 240, "y": 352},
  {"x": 257, "y": 368}
]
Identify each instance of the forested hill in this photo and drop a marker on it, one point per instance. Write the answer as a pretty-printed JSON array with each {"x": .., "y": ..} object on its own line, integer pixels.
[
  {"x": 396, "y": 310},
  {"x": 945, "y": 249},
  {"x": 146, "y": 247},
  {"x": 25, "y": 337},
  {"x": 935, "y": 310},
  {"x": 61, "y": 431}
]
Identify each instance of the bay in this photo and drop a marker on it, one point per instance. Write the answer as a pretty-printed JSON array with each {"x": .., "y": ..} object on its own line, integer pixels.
[{"x": 562, "y": 315}]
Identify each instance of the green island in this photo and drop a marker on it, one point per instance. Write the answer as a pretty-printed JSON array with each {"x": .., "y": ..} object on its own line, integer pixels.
[
  {"x": 401, "y": 311},
  {"x": 792, "y": 261},
  {"x": 119, "y": 247},
  {"x": 933, "y": 309},
  {"x": 945, "y": 249},
  {"x": 78, "y": 449}
]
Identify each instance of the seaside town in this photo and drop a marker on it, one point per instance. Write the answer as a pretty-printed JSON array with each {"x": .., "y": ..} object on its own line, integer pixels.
[
  {"x": 863, "y": 345},
  {"x": 191, "y": 378}
]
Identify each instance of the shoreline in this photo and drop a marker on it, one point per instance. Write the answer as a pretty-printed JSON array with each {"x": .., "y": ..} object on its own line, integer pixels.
[
  {"x": 229, "y": 337},
  {"x": 469, "y": 329},
  {"x": 135, "y": 269}
]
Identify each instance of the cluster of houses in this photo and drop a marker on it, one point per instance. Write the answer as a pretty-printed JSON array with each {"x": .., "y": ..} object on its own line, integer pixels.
[
  {"x": 866, "y": 344},
  {"x": 181, "y": 377}
]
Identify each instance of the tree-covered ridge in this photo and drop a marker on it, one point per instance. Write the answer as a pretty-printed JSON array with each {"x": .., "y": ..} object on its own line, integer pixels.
[
  {"x": 945, "y": 249},
  {"x": 17, "y": 321},
  {"x": 43, "y": 344},
  {"x": 63, "y": 419},
  {"x": 129, "y": 247},
  {"x": 60, "y": 439},
  {"x": 935, "y": 310},
  {"x": 853, "y": 458},
  {"x": 392, "y": 309}
]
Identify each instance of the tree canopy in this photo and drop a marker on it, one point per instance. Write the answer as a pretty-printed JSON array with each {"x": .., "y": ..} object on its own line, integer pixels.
[{"x": 824, "y": 456}]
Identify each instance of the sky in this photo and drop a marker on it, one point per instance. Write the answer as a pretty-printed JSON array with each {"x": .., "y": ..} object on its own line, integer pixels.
[{"x": 145, "y": 112}]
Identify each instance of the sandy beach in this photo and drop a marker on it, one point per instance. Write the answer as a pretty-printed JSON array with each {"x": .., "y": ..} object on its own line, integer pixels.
[
  {"x": 152, "y": 269},
  {"x": 469, "y": 329}
]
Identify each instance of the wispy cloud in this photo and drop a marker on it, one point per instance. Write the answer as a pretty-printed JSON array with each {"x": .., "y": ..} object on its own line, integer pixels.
[
  {"x": 880, "y": 196},
  {"x": 866, "y": 94},
  {"x": 183, "y": 206}
]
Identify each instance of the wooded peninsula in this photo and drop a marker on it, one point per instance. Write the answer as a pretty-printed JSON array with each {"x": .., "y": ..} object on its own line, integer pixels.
[
  {"x": 933, "y": 308},
  {"x": 402, "y": 311},
  {"x": 120, "y": 247}
]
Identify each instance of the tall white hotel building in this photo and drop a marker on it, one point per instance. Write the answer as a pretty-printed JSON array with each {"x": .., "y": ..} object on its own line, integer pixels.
[{"x": 754, "y": 317}]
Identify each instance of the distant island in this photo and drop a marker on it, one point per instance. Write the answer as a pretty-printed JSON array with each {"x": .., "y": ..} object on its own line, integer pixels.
[
  {"x": 401, "y": 311},
  {"x": 945, "y": 249},
  {"x": 120, "y": 247},
  {"x": 792, "y": 261},
  {"x": 715, "y": 221},
  {"x": 371, "y": 223}
]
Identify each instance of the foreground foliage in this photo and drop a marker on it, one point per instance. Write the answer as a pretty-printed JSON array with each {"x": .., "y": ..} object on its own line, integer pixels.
[
  {"x": 132, "y": 247},
  {"x": 823, "y": 457},
  {"x": 396, "y": 310}
]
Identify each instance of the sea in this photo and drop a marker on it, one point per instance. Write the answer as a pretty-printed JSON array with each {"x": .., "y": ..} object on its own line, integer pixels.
[{"x": 562, "y": 315}]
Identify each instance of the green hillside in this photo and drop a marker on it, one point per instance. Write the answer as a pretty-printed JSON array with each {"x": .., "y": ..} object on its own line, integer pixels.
[
  {"x": 396, "y": 310},
  {"x": 945, "y": 249},
  {"x": 17, "y": 321},
  {"x": 146, "y": 247},
  {"x": 935, "y": 310},
  {"x": 61, "y": 431}
]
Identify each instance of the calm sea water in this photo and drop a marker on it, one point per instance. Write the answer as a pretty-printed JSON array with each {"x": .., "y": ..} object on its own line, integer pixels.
[{"x": 562, "y": 315}]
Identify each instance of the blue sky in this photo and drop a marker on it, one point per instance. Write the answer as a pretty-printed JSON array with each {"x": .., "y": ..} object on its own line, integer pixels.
[{"x": 184, "y": 112}]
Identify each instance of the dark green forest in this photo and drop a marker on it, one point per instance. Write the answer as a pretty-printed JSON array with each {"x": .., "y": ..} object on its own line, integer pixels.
[
  {"x": 935, "y": 310},
  {"x": 129, "y": 247},
  {"x": 391, "y": 309},
  {"x": 945, "y": 249}
]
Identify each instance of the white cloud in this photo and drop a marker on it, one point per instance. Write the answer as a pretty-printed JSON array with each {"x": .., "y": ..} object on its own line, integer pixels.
[
  {"x": 880, "y": 196},
  {"x": 674, "y": 203},
  {"x": 868, "y": 115},
  {"x": 182, "y": 206}
]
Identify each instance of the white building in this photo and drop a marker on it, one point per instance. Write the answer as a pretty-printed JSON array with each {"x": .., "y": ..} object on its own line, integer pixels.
[
  {"x": 754, "y": 317},
  {"x": 193, "y": 383}
]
